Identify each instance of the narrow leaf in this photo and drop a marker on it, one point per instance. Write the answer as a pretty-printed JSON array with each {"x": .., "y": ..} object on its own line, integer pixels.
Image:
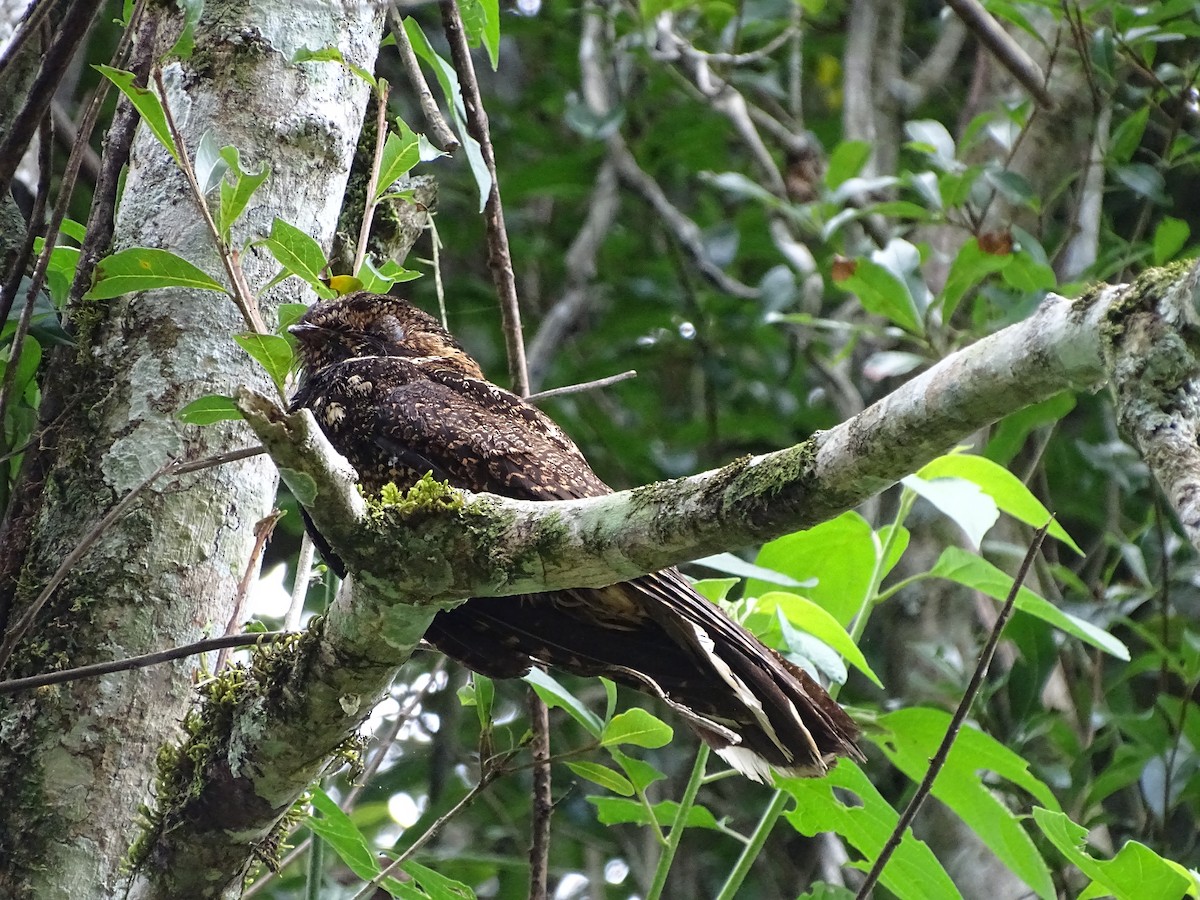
[
  {"x": 208, "y": 409},
  {"x": 810, "y": 617},
  {"x": 554, "y": 694},
  {"x": 147, "y": 103},
  {"x": 603, "y": 776},
  {"x": 400, "y": 153}
]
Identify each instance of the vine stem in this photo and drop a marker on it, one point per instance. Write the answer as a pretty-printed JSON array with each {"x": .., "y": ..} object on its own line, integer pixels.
[
  {"x": 750, "y": 852},
  {"x": 679, "y": 825}
]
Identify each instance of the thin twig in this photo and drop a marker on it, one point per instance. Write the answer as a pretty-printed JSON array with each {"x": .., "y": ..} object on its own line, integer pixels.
[
  {"x": 1008, "y": 52},
  {"x": 385, "y": 740},
  {"x": 141, "y": 662},
  {"x": 956, "y": 721},
  {"x": 243, "y": 297},
  {"x": 262, "y": 535},
  {"x": 436, "y": 127},
  {"x": 381, "y": 133},
  {"x": 66, "y": 132},
  {"x": 583, "y": 386},
  {"x": 543, "y": 804},
  {"x": 478, "y": 788},
  {"x": 499, "y": 257},
  {"x": 23, "y": 624},
  {"x": 301, "y": 583}
]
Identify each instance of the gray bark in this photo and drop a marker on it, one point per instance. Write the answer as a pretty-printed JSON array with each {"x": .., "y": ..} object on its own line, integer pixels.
[{"x": 78, "y": 761}]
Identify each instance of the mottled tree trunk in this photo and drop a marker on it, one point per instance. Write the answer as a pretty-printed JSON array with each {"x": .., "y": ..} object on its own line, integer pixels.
[{"x": 78, "y": 760}]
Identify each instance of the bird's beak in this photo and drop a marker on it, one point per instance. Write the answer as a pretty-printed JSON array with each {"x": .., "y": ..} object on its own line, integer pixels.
[{"x": 303, "y": 331}]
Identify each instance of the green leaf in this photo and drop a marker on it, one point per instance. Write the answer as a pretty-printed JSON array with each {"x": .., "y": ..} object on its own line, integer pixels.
[
  {"x": 148, "y": 105},
  {"x": 333, "y": 54},
  {"x": 288, "y": 314},
  {"x": 379, "y": 279},
  {"x": 299, "y": 255},
  {"x": 846, "y": 161},
  {"x": 970, "y": 267},
  {"x": 840, "y": 554},
  {"x": 236, "y": 195},
  {"x": 845, "y": 801},
  {"x": 480, "y": 692},
  {"x": 271, "y": 351},
  {"x": 481, "y": 18},
  {"x": 883, "y": 294},
  {"x": 603, "y": 776},
  {"x": 1005, "y": 488},
  {"x": 810, "y": 617},
  {"x": 1136, "y": 871},
  {"x": 208, "y": 409},
  {"x": 145, "y": 268},
  {"x": 958, "y": 565},
  {"x": 910, "y": 739},
  {"x": 337, "y": 830},
  {"x": 1009, "y": 435},
  {"x": 715, "y": 589},
  {"x": 961, "y": 500},
  {"x": 618, "y": 811},
  {"x": 735, "y": 565},
  {"x": 640, "y": 773},
  {"x": 400, "y": 154},
  {"x": 638, "y": 727},
  {"x": 554, "y": 694},
  {"x": 448, "y": 80},
  {"x": 436, "y": 885},
  {"x": 1169, "y": 238}
]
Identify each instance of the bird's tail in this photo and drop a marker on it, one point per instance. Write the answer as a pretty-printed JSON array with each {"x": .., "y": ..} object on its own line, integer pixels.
[{"x": 656, "y": 634}]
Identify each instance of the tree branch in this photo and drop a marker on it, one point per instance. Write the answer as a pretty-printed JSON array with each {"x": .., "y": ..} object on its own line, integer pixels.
[{"x": 411, "y": 558}]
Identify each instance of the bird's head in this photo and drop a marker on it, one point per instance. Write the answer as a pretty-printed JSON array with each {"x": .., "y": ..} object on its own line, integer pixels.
[{"x": 365, "y": 324}]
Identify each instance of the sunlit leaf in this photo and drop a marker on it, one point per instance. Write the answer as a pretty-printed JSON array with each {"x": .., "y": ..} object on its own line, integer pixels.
[{"x": 145, "y": 268}]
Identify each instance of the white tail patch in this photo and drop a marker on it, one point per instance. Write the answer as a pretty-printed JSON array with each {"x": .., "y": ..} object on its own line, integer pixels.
[{"x": 745, "y": 695}]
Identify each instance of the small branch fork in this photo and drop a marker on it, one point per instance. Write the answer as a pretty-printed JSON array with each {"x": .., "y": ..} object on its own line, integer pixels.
[{"x": 938, "y": 762}]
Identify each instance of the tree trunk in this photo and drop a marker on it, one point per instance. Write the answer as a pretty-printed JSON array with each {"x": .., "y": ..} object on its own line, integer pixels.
[{"x": 79, "y": 760}]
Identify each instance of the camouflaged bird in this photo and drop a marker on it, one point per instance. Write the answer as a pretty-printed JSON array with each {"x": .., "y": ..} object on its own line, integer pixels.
[{"x": 399, "y": 397}]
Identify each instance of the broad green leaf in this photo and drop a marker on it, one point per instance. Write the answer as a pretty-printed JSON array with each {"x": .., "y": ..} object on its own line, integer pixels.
[
  {"x": 147, "y": 103},
  {"x": 810, "y": 617},
  {"x": 956, "y": 564},
  {"x": 961, "y": 500},
  {"x": 448, "y": 80},
  {"x": 970, "y": 267},
  {"x": 400, "y": 154},
  {"x": 236, "y": 195},
  {"x": 481, "y": 18},
  {"x": 618, "y": 811},
  {"x": 554, "y": 694},
  {"x": 1135, "y": 873},
  {"x": 1169, "y": 238},
  {"x": 337, "y": 830},
  {"x": 932, "y": 137},
  {"x": 299, "y": 255},
  {"x": 715, "y": 589},
  {"x": 145, "y": 268},
  {"x": 271, "y": 351},
  {"x": 846, "y": 161},
  {"x": 845, "y": 801},
  {"x": 840, "y": 554},
  {"x": 910, "y": 739},
  {"x": 208, "y": 409},
  {"x": 479, "y": 692},
  {"x": 883, "y": 294},
  {"x": 1009, "y": 435},
  {"x": 1027, "y": 273},
  {"x": 638, "y": 727},
  {"x": 603, "y": 776},
  {"x": 1005, "y": 488},
  {"x": 640, "y": 773},
  {"x": 379, "y": 279},
  {"x": 288, "y": 314}
]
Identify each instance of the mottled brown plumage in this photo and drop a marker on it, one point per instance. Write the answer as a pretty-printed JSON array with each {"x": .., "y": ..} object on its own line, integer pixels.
[{"x": 399, "y": 397}]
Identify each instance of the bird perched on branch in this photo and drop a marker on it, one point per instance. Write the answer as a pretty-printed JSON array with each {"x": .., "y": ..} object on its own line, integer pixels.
[{"x": 399, "y": 397}]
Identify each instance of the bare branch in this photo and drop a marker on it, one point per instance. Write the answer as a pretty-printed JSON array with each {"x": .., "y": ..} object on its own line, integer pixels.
[
  {"x": 1007, "y": 51},
  {"x": 438, "y": 131},
  {"x": 580, "y": 388}
]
